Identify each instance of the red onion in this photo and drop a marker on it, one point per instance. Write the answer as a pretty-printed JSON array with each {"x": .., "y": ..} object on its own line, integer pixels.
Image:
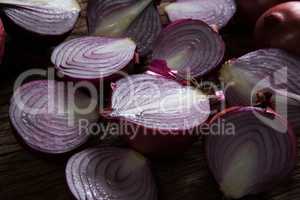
[
  {"x": 264, "y": 69},
  {"x": 279, "y": 27},
  {"x": 190, "y": 48},
  {"x": 260, "y": 154},
  {"x": 158, "y": 115},
  {"x": 44, "y": 17},
  {"x": 2, "y": 41},
  {"x": 93, "y": 57},
  {"x": 110, "y": 173},
  {"x": 213, "y": 12},
  {"x": 252, "y": 10},
  {"x": 44, "y": 117},
  {"x": 137, "y": 19}
]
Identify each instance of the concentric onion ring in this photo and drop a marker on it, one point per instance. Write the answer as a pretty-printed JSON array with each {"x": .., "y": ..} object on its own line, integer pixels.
[
  {"x": 110, "y": 173},
  {"x": 41, "y": 115},
  {"x": 213, "y": 12},
  {"x": 159, "y": 103},
  {"x": 44, "y": 17},
  {"x": 93, "y": 57},
  {"x": 250, "y": 154},
  {"x": 137, "y": 19},
  {"x": 189, "y": 47}
]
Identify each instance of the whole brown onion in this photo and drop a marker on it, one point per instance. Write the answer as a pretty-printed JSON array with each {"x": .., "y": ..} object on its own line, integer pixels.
[
  {"x": 279, "y": 27},
  {"x": 251, "y": 10}
]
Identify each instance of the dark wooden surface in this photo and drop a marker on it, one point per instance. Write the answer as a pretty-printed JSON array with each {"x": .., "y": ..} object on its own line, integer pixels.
[{"x": 28, "y": 176}]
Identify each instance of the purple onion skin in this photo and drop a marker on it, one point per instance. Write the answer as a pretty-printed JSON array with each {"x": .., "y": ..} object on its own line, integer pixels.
[
  {"x": 279, "y": 27},
  {"x": 250, "y": 11},
  {"x": 263, "y": 178},
  {"x": 155, "y": 143}
]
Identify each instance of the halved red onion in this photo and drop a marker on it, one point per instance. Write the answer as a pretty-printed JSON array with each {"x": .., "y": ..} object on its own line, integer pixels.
[
  {"x": 213, "y": 12},
  {"x": 43, "y": 115},
  {"x": 158, "y": 115},
  {"x": 272, "y": 70},
  {"x": 190, "y": 48},
  {"x": 44, "y": 17},
  {"x": 110, "y": 173},
  {"x": 137, "y": 19},
  {"x": 250, "y": 150},
  {"x": 269, "y": 77},
  {"x": 93, "y": 57}
]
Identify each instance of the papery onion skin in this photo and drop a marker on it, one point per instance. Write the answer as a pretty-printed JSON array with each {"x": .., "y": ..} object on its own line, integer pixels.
[
  {"x": 256, "y": 157},
  {"x": 45, "y": 121},
  {"x": 138, "y": 20},
  {"x": 213, "y": 12},
  {"x": 190, "y": 47},
  {"x": 250, "y": 11},
  {"x": 42, "y": 17},
  {"x": 110, "y": 173},
  {"x": 279, "y": 27},
  {"x": 93, "y": 58},
  {"x": 152, "y": 119}
]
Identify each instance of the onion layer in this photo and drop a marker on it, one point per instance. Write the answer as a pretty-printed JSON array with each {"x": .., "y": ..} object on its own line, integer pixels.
[
  {"x": 213, "y": 12},
  {"x": 158, "y": 115},
  {"x": 259, "y": 153},
  {"x": 110, "y": 173},
  {"x": 93, "y": 57},
  {"x": 44, "y": 17},
  {"x": 44, "y": 119},
  {"x": 137, "y": 19},
  {"x": 189, "y": 47}
]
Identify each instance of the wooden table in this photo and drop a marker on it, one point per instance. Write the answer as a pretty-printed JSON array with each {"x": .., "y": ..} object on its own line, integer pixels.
[{"x": 28, "y": 176}]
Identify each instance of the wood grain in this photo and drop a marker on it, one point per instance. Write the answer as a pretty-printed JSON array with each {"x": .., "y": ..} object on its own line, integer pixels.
[{"x": 28, "y": 176}]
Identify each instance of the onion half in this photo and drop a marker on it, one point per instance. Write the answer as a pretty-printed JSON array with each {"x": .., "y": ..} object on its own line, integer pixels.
[
  {"x": 190, "y": 48},
  {"x": 256, "y": 157},
  {"x": 44, "y": 17},
  {"x": 137, "y": 19},
  {"x": 45, "y": 120},
  {"x": 158, "y": 115},
  {"x": 267, "y": 77},
  {"x": 213, "y": 12},
  {"x": 93, "y": 57},
  {"x": 110, "y": 173}
]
